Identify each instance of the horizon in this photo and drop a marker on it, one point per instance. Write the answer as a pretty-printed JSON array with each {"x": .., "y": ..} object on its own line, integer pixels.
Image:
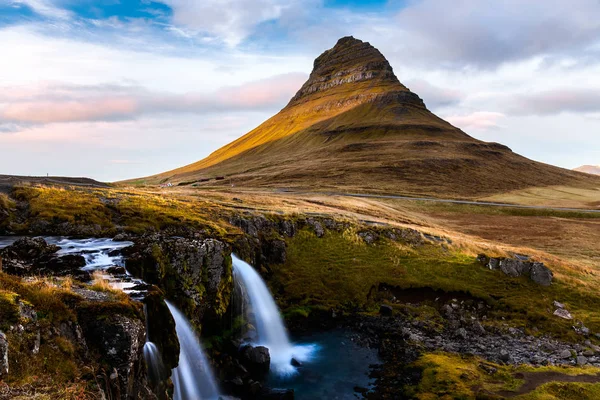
[{"x": 115, "y": 91}]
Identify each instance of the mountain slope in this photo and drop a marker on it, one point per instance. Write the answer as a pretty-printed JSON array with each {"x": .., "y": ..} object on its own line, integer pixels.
[
  {"x": 589, "y": 169},
  {"x": 354, "y": 126}
]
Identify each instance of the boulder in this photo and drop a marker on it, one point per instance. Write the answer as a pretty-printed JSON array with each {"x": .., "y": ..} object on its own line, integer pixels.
[
  {"x": 541, "y": 274},
  {"x": 562, "y": 313},
  {"x": 386, "y": 310},
  {"x": 257, "y": 361}
]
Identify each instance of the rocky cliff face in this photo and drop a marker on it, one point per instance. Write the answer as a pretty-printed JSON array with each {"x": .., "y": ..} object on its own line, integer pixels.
[
  {"x": 349, "y": 62},
  {"x": 194, "y": 274}
]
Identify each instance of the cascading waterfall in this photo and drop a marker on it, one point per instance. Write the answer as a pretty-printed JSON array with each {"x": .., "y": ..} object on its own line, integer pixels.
[
  {"x": 268, "y": 322},
  {"x": 193, "y": 378},
  {"x": 156, "y": 368}
]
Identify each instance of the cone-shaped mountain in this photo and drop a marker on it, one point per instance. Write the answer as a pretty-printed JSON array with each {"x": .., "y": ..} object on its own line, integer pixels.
[{"x": 354, "y": 126}]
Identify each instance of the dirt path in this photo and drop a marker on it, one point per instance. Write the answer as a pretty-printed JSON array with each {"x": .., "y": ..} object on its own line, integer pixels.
[{"x": 535, "y": 379}]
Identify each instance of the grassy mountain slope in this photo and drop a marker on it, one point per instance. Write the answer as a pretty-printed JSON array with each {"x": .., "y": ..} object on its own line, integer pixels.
[{"x": 354, "y": 126}]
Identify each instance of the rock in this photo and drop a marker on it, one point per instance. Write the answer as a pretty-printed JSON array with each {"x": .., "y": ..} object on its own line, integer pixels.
[
  {"x": 511, "y": 267},
  {"x": 287, "y": 228},
  {"x": 386, "y": 310},
  {"x": 478, "y": 328},
  {"x": 257, "y": 360},
  {"x": 589, "y": 353},
  {"x": 316, "y": 226},
  {"x": 65, "y": 265},
  {"x": 3, "y": 355},
  {"x": 462, "y": 333},
  {"x": 565, "y": 354},
  {"x": 493, "y": 264},
  {"x": 254, "y": 387},
  {"x": 369, "y": 237},
  {"x": 297, "y": 364},
  {"x": 198, "y": 272},
  {"x": 581, "y": 360},
  {"x": 275, "y": 251},
  {"x": 557, "y": 304},
  {"x": 562, "y": 313},
  {"x": 541, "y": 274},
  {"x": 504, "y": 355},
  {"x": 118, "y": 340}
]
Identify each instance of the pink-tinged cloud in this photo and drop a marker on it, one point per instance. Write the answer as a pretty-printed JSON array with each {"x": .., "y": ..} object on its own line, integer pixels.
[
  {"x": 481, "y": 120},
  {"x": 70, "y": 111},
  {"x": 67, "y": 103}
]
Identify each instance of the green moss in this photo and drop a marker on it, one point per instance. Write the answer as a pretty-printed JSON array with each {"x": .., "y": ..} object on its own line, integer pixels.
[
  {"x": 9, "y": 309},
  {"x": 561, "y": 391},
  {"x": 339, "y": 271}
]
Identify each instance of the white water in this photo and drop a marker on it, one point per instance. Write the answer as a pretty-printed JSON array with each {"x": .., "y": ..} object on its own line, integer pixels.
[
  {"x": 154, "y": 362},
  {"x": 268, "y": 322},
  {"x": 193, "y": 378}
]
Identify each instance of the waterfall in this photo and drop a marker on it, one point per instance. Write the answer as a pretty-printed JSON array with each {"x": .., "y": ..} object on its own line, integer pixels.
[
  {"x": 156, "y": 368},
  {"x": 268, "y": 322},
  {"x": 193, "y": 378}
]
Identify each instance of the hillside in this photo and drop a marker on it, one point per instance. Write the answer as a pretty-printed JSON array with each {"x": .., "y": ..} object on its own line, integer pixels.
[
  {"x": 353, "y": 126},
  {"x": 589, "y": 169}
]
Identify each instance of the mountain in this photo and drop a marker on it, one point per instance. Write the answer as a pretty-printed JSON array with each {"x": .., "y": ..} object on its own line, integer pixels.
[
  {"x": 353, "y": 126},
  {"x": 589, "y": 169}
]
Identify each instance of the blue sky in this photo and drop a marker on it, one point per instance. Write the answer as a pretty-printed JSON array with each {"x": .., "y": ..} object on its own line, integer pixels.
[{"x": 117, "y": 89}]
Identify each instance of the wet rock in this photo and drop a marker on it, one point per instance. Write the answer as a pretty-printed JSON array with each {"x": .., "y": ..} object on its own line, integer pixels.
[
  {"x": 297, "y": 364},
  {"x": 386, "y": 310},
  {"x": 257, "y": 361},
  {"x": 3, "y": 355},
  {"x": 562, "y": 313}
]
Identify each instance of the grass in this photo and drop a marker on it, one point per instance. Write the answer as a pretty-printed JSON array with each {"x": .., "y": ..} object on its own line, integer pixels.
[
  {"x": 339, "y": 271},
  {"x": 104, "y": 211},
  {"x": 452, "y": 376}
]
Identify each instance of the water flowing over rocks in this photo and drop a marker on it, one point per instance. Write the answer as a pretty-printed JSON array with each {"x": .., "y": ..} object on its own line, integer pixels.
[{"x": 33, "y": 256}]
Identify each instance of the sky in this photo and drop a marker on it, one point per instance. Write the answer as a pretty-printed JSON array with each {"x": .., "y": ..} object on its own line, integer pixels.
[{"x": 119, "y": 89}]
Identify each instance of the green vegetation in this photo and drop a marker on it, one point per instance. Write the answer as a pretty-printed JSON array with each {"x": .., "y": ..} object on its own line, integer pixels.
[
  {"x": 59, "y": 368},
  {"x": 451, "y": 376},
  {"x": 339, "y": 270},
  {"x": 101, "y": 211}
]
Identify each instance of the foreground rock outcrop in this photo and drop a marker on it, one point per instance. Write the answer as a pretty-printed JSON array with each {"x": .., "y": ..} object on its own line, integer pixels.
[
  {"x": 515, "y": 267},
  {"x": 195, "y": 274}
]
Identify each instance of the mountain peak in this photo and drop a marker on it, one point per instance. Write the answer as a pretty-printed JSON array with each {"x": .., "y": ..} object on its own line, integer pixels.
[{"x": 350, "y": 63}]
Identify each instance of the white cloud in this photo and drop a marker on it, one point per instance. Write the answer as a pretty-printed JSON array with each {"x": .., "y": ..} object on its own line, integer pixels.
[
  {"x": 45, "y": 8},
  {"x": 230, "y": 20}
]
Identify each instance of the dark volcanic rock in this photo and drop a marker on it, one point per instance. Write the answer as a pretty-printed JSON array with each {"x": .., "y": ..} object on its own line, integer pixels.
[
  {"x": 195, "y": 274},
  {"x": 257, "y": 360},
  {"x": 34, "y": 256}
]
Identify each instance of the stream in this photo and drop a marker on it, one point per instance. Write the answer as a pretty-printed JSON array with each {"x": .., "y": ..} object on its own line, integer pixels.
[{"x": 327, "y": 365}]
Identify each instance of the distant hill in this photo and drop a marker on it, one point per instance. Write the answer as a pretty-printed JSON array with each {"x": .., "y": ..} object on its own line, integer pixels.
[
  {"x": 589, "y": 169},
  {"x": 8, "y": 181},
  {"x": 353, "y": 126}
]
